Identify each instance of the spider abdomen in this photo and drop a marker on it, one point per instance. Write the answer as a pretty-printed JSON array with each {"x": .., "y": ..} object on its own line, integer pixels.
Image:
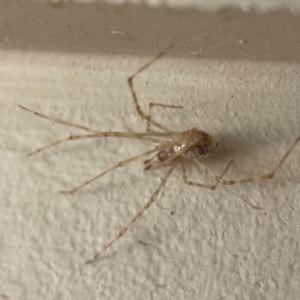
[{"x": 203, "y": 147}]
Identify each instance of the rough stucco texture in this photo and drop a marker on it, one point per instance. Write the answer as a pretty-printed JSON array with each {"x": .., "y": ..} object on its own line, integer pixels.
[{"x": 196, "y": 243}]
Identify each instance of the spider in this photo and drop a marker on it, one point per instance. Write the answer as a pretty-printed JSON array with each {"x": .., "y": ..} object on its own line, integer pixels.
[{"x": 172, "y": 148}]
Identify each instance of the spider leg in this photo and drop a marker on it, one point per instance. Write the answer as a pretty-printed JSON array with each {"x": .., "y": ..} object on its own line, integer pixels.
[
  {"x": 58, "y": 120},
  {"x": 118, "y": 165},
  {"x": 212, "y": 187},
  {"x": 148, "y": 204},
  {"x": 121, "y": 164},
  {"x": 134, "y": 96},
  {"x": 250, "y": 179},
  {"x": 151, "y": 104},
  {"x": 99, "y": 134}
]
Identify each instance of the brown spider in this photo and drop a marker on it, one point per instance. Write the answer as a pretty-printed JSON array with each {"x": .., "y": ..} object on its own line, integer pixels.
[{"x": 173, "y": 148}]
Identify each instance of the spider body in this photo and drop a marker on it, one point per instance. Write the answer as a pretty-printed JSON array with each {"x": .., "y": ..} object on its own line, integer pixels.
[{"x": 196, "y": 144}]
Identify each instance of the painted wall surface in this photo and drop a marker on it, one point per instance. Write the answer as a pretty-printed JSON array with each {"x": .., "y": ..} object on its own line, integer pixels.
[{"x": 237, "y": 76}]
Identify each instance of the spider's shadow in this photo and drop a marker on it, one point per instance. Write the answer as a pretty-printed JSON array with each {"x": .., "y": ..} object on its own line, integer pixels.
[{"x": 241, "y": 144}]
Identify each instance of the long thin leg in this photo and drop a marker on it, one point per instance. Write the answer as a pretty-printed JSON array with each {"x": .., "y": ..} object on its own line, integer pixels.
[
  {"x": 148, "y": 204},
  {"x": 58, "y": 120},
  {"x": 250, "y": 179},
  {"x": 135, "y": 99},
  {"x": 151, "y": 104},
  {"x": 104, "y": 134},
  {"x": 118, "y": 165},
  {"x": 212, "y": 187},
  {"x": 121, "y": 164},
  {"x": 69, "y": 138}
]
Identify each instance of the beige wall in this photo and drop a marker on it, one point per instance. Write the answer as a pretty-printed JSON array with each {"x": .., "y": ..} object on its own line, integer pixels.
[{"x": 237, "y": 76}]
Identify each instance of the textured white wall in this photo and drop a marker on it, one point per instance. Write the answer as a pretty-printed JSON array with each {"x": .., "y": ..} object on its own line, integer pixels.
[{"x": 237, "y": 76}]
